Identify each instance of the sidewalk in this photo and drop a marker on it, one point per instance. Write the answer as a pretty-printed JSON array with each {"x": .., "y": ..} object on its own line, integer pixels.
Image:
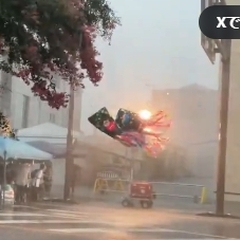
[
  {"x": 85, "y": 195},
  {"x": 233, "y": 208},
  {"x": 81, "y": 193}
]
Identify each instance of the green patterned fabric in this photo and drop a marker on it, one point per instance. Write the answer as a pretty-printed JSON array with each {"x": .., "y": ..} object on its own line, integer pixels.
[{"x": 101, "y": 119}]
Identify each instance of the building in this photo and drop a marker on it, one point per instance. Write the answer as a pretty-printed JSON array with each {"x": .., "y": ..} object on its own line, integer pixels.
[
  {"x": 101, "y": 151},
  {"x": 233, "y": 132},
  {"x": 194, "y": 112},
  {"x": 24, "y": 110}
]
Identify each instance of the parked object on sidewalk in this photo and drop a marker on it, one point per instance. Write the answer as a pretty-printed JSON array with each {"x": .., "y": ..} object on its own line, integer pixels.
[
  {"x": 38, "y": 183},
  {"x": 139, "y": 192},
  {"x": 9, "y": 194},
  {"x": 47, "y": 179},
  {"x": 76, "y": 175},
  {"x": 12, "y": 150},
  {"x": 22, "y": 181}
]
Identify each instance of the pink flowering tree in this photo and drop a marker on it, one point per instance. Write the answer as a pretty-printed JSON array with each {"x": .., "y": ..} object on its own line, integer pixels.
[{"x": 40, "y": 39}]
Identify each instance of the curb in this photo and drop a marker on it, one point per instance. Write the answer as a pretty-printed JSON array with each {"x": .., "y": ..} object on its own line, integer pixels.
[
  {"x": 70, "y": 202},
  {"x": 211, "y": 214}
]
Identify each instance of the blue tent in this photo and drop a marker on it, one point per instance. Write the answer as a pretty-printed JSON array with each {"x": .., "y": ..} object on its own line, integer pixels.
[{"x": 15, "y": 149}]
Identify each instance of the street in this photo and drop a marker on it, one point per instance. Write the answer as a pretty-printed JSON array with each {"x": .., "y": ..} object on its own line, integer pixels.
[{"x": 96, "y": 221}]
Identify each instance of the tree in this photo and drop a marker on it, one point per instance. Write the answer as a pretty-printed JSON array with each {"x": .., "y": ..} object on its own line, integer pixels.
[{"x": 40, "y": 39}]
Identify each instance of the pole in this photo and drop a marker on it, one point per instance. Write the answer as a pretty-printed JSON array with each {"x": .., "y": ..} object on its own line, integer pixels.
[
  {"x": 80, "y": 105},
  {"x": 4, "y": 178},
  {"x": 132, "y": 164},
  {"x": 130, "y": 172},
  {"x": 69, "y": 158},
  {"x": 221, "y": 165}
]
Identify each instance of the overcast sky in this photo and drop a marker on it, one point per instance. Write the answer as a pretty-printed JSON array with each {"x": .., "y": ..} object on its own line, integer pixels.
[{"x": 157, "y": 46}]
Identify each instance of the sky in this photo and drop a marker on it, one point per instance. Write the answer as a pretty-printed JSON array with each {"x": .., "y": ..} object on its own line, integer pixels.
[{"x": 157, "y": 46}]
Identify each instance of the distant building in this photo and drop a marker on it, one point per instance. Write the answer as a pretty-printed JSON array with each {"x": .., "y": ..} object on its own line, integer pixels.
[
  {"x": 194, "y": 112},
  {"x": 104, "y": 151},
  {"x": 24, "y": 110}
]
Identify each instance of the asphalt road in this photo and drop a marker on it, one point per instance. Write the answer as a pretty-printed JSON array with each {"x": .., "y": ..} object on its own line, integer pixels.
[{"x": 96, "y": 222}]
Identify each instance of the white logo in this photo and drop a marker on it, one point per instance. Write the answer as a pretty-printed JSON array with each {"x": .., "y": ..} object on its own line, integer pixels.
[{"x": 232, "y": 22}]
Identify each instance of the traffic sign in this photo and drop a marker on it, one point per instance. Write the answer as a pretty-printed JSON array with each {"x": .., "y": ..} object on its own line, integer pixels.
[{"x": 209, "y": 45}]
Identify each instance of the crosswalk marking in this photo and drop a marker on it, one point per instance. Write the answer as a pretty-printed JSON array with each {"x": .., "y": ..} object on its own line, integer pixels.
[
  {"x": 84, "y": 230},
  {"x": 21, "y": 214},
  {"x": 60, "y": 210},
  {"x": 107, "y": 230},
  {"x": 94, "y": 220},
  {"x": 23, "y": 221},
  {"x": 76, "y": 211},
  {"x": 57, "y": 217},
  {"x": 135, "y": 230},
  {"x": 69, "y": 215},
  {"x": 51, "y": 221},
  {"x": 74, "y": 215},
  {"x": 53, "y": 216}
]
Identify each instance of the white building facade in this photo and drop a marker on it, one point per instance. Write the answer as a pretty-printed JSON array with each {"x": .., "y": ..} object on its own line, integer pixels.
[
  {"x": 24, "y": 110},
  {"x": 194, "y": 112}
]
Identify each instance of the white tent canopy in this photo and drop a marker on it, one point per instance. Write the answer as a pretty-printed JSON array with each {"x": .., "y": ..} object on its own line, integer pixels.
[
  {"x": 20, "y": 150},
  {"x": 47, "y": 132}
]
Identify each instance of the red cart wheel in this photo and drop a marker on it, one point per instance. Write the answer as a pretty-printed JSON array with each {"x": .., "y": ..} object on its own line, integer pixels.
[
  {"x": 126, "y": 203},
  {"x": 146, "y": 203}
]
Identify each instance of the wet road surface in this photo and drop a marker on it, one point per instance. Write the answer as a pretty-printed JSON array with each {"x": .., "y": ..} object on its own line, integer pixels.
[{"x": 103, "y": 222}]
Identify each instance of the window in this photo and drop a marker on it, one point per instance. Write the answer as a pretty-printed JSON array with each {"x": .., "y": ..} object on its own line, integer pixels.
[
  {"x": 25, "y": 111},
  {"x": 56, "y": 80},
  {"x": 65, "y": 115},
  {"x": 5, "y": 92},
  {"x": 52, "y": 118},
  {"x": 116, "y": 160}
]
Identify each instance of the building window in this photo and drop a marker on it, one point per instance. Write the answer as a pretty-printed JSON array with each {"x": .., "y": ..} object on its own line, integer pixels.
[
  {"x": 56, "y": 80},
  {"x": 52, "y": 118},
  {"x": 25, "y": 111},
  {"x": 65, "y": 115},
  {"x": 116, "y": 160},
  {"x": 5, "y": 93}
]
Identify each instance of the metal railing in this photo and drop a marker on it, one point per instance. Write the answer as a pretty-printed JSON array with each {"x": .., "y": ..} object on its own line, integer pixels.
[{"x": 198, "y": 193}]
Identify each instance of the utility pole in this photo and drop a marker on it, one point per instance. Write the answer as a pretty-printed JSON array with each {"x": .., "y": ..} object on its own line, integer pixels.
[
  {"x": 69, "y": 161},
  {"x": 224, "y": 99},
  {"x": 211, "y": 48},
  {"x": 69, "y": 157}
]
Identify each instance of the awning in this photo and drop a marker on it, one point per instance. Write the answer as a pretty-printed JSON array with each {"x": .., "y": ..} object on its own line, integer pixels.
[
  {"x": 47, "y": 132},
  {"x": 15, "y": 149},
  {"x": 59, "y": 150}
]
